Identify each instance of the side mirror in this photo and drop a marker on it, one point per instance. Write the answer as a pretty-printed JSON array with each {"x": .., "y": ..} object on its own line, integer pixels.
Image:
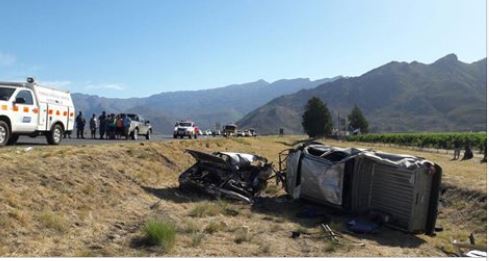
[{"x": 19, "y": 100}]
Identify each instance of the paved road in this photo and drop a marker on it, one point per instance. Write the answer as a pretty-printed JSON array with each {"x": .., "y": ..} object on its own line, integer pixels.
[{"x": 41, "y": 140}]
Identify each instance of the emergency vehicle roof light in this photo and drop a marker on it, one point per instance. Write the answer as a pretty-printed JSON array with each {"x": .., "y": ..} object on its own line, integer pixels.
[{"x": 30, "y": 79}]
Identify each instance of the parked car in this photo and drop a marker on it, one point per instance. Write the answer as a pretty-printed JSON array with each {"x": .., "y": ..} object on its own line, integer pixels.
[
  {"x": 253, "y": 132},
  {"x": 229, "y": 130},
  {"x": 405, "y": 188},
  {"x": 246, "y": 133},
  {"x": 185, "y": 129},
  {"x": 216, "y": 133},
  {"x": 208, "y": 132},
  {"x": 240, "y": 133},
  {"x": 27, "y": 108},
  {"x": 139, "y": 126}
]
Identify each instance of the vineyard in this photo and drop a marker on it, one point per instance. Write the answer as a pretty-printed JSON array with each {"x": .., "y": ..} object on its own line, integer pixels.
[{"x": 443, "y": 140}]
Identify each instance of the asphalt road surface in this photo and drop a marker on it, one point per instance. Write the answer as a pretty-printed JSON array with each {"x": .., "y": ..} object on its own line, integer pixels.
[{"x": 41, "y": 140}]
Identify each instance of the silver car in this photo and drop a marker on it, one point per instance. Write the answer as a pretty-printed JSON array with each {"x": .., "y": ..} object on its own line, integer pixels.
[
  {"x": 403, "y": 187},
  {"x": 139, "y": 127}
]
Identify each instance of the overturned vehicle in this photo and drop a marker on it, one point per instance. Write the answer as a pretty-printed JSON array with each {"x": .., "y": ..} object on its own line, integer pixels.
[
  {"x": 403, "y": 187},
  {"x": 230, "y": 175}
]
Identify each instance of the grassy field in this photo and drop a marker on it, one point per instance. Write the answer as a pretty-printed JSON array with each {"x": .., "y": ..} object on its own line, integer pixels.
[{"x": 122, "y": 200}]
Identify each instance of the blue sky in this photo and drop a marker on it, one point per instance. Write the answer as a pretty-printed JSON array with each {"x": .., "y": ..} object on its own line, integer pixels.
[{"x": 138, "y": 48}]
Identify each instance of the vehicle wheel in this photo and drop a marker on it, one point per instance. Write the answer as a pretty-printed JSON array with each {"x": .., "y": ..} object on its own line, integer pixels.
[
  {"x": 148, "y": 135},
  {"x": 174, "y": 136},
  {"x": 4, "y": 133},
  {"x": 190, "y": 136},
  {"x": 13, "y": 139},
  {"x": 135, "y": 134},
  {"x": 55, "y": 136}
]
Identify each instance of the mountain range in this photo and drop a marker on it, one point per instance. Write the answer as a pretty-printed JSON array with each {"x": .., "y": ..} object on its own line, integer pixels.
[
  {"x": 447, "y": 95},
  {"x": 206, "y": 107}
]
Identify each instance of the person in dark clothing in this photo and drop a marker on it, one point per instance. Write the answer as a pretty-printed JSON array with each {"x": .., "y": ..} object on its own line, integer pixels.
[
  {"x": 93, "y": 126},
  {"x": 468, "y": 154},
  {"x": 102, "y": 125},
  {"x": 456, "y": 149},
  {"x": 80, "y": 125}
]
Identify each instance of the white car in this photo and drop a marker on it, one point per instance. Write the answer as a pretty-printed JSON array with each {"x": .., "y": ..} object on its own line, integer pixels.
[
  {"x": 29, "y": 109},
  {"x": 208, "y": 132},
  {"x": 184, "y": 129}
]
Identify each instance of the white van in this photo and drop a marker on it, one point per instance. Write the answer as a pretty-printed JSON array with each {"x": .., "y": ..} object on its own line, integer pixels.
[{"x": 29, "y": 109}]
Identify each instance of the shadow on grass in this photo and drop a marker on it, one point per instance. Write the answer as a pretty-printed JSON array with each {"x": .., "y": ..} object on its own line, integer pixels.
[
  {"x": 174, "y": 194},
  {"x": 291, "y": 210}
]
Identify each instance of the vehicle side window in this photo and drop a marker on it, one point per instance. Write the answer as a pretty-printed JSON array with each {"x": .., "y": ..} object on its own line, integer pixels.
[{"x": 27, "y": 96}]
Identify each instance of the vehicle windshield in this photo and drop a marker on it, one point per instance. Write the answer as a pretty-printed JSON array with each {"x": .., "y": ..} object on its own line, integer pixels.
[
  {"x": 6, "y": 93},
  {"x": 185, "y": 124}
]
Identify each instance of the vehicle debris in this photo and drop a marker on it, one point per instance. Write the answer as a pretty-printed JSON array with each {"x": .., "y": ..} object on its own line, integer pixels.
[
  {"x": 231, "y": 175},
  {"x": 402, "y": 187}
]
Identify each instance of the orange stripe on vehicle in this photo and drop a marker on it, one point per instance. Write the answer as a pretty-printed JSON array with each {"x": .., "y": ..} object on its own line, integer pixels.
[
  {"x": 50, "y": 112},
  {"x": 35, "y": 110},
  {"x": 26, "y": 109},
  {"x": 65, "y": 113},
  {"x": 58, "y": 113},
  {"x": 72, "y": 114},
  {"x": 15, "y": 108},
  {"x": 4, "y": 107}
]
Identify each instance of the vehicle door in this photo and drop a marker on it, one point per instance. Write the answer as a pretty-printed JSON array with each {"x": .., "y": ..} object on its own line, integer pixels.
[
  {"x": 26, "y": 111},
  {"x": 143, "y": 126}
]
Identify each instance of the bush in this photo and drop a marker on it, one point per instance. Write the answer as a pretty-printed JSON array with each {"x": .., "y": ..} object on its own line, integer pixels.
[
  {"x": 50, "y": 220},
  {"x": 160, "y": 233}
]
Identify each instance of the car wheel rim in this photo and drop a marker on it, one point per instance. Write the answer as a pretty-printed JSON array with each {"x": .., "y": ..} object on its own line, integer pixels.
[
  {"x": 3, "y": 134},
  {"x": 57, "y": 135}
]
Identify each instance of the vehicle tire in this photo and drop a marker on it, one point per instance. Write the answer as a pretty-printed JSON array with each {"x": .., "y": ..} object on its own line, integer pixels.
[
  {"x": 190, "y": 136},
  {"x": 148, "y": 135},
  {"x": 55, "y": 136},
  {"x": 174, "y": 136},
  {"x": 4, "y": 133},
  {"x": 13, "y": 139},
  {"x": 135, "y": 134}
]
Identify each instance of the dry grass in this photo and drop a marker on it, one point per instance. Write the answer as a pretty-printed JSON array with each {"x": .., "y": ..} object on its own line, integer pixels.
[{"x": 94, "y": 200}]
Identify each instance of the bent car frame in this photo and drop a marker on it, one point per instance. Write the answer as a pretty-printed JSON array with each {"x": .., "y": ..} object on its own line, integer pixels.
[{"x": 404, "y": 187}]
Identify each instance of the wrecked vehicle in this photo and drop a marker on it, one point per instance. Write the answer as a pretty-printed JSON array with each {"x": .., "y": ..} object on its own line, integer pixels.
[
  {"x": 231, "y": 175},
  {"x": 405, "y": 188}
]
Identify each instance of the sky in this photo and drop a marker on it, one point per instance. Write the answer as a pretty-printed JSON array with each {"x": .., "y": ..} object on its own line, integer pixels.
[{"x": 122, "y": 48}]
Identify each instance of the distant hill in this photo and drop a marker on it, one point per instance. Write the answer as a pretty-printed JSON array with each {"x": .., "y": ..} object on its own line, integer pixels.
[
  {"x": 206, "y": 107},
  {"x": 447, "y": 95}
]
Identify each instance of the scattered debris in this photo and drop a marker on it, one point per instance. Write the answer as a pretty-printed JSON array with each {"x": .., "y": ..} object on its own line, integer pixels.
[{"x": 237, "y": 176}]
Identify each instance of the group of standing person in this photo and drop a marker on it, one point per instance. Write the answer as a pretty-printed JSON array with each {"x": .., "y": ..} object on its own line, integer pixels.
[
  {"x": 468, "y": 154},
  {"x": 110, "y": 126}
]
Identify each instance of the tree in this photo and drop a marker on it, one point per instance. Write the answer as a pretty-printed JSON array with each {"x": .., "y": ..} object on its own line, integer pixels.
[
  {"x": 357, "y": 120},
  {"x": 316, "y": 119}
]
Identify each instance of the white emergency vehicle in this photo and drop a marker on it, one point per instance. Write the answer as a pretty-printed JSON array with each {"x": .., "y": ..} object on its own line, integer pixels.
[{"x": 29, "y": 109}]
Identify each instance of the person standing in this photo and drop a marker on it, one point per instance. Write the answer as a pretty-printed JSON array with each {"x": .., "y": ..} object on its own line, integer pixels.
[
  {"x": 456, "y": 149},
  {"x": 93, "y": 126},
  {"x": 80, "y": 126},
  {"x": 102, "y": 125}
]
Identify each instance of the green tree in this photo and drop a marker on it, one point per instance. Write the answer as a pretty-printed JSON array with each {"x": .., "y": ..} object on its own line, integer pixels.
[
  {"x": 357, "y": 120},
  {"x": 316, "y": 119}
]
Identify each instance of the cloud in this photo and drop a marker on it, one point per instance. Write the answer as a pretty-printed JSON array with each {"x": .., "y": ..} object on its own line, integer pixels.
[
  {"x": 104, "y": 86},
  {"x": 7, "y": 59}
]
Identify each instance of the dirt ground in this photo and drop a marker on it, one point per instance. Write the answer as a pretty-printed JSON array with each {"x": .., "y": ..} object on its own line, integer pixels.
[{"x": 93, "y": 200}]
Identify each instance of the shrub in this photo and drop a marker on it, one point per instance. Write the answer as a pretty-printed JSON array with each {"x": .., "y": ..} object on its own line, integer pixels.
[
  {"x": 50, "y": 220},
  {"x": 161, "y": 233}
]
